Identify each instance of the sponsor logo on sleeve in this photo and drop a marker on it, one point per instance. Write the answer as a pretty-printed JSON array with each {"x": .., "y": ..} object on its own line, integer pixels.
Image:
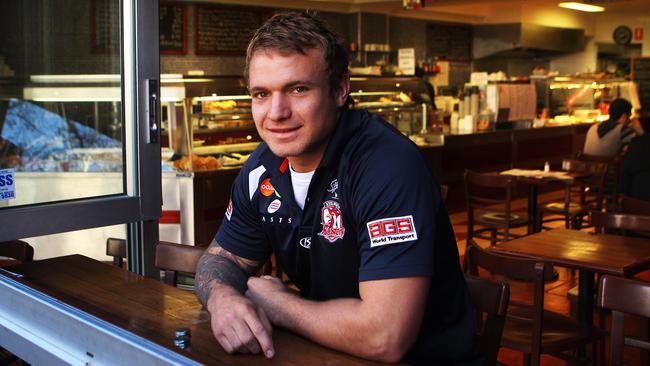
[
  {"x": 391, "y": 230},
  {"x": 229, "y": 210},
  {"x": 332, "y": 221}
]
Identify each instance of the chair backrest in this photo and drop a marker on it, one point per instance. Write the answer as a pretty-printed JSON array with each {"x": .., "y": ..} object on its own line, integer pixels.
[
  {"x": 116, "y": 248},
  {"x": 590, "y": 183},
  {"x": 633, "y": 206},
  {"x": 173, "y": 258},
  {"x": 488, "y": 189},
  {"x": 489, "y": 298},
  {"x": 17, "y": 249},
  {"x": 626, "y": 222},
  {"x": 623, "y": 296},
  {"x": 521, "y": 269},
  {"x": 612, "y": 176}
]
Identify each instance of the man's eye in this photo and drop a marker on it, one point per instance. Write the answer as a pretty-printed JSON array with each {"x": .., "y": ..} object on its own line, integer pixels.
[
  {"x": 300, "y": 89},
  {"x": 260, "y": 95}
]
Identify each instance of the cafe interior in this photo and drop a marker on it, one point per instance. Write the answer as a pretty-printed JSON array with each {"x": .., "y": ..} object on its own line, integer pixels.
[{"x": 123, "y": 125}]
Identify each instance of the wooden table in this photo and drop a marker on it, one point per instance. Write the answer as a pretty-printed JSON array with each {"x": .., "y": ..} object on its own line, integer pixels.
[
  {"x": 534, "y": 179},
  {"x": 606, "y": 254},
  {"x": 153, "y": 310}
]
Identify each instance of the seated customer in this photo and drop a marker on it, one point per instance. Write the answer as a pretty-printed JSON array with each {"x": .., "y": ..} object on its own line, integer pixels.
[
  {"x": 609, "y": 137},
  {"x": 635, "y": 172}
]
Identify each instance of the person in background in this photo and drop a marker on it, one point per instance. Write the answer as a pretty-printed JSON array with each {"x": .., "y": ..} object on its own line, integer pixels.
[
  {"x": 635, "y": 171},
  {"x": 351, "y": 212},
  {"x": 609, "y": 137}
]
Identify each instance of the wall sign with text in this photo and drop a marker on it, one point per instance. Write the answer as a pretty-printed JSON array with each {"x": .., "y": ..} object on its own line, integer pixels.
[
  {"x": 173, "y": 29},
  {"x": 225, "y": 30}
]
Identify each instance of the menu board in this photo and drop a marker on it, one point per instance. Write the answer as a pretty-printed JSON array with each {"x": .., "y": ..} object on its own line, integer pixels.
[
  {"x": 225, "y": 30},
  {"x": 449, "y": 42},
  {"x": 641, "y": 75},
  {"x": 105, "y": 26},
  {"x": 173, "y": 29}
]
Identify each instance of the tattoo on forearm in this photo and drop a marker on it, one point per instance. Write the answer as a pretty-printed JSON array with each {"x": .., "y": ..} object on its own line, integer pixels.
[{"x": 223, "y": 267}]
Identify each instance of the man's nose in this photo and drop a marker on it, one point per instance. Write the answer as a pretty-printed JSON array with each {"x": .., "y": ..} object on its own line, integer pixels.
[{"x": 280, "y": 107}]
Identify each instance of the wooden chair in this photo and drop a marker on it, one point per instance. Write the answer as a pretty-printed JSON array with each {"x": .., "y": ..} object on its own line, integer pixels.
[
  {"x": 612, "y": 177},
  {"x": 634, "y": 206},
  {"x": 488, "y": 201},
  {"x": 629, "y": 205},
  {"x": 490, "y": 300},
  {"x": 584, "y": 195},
  {"x": 624, "y": 296},
  {"x": 529, "y": 328},
  {"x": 116, "y": 248},
  {"x": 17, "y": 250},
  {"x": 173, "y": 258},
  {"x": 623, "y": 222}
]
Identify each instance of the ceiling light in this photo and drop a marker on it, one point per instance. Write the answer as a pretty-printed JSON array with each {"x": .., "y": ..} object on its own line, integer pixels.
[{"x": 582, "y": 7}]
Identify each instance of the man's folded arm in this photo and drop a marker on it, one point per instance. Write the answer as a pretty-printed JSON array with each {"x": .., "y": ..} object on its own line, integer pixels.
[
  {"x": 219, "y": 266},
  {"x": 382, "y": 325}
]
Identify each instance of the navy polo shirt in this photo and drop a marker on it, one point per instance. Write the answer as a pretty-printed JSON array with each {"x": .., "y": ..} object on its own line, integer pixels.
[{"x": 373, "y": 211}]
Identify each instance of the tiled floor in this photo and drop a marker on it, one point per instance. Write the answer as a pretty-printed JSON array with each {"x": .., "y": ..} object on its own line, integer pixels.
[{"x": 555, "y": 297}]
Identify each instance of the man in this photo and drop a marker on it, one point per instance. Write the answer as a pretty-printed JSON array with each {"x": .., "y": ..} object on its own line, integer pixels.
[
  {"x": 349, "y": 209},
  {"x": 609, "y": 137}
]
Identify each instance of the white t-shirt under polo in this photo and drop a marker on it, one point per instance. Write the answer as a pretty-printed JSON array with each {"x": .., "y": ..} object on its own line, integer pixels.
[{"x": 300, "y": 183}]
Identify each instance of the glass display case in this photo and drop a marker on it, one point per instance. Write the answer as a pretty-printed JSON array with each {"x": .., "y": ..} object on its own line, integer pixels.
[
  {"x": 210, "y": 127},
  {"x": 207, "y": 122},
  {"x": 402, "y": 101},
  {"x": 586, "y": 99}
]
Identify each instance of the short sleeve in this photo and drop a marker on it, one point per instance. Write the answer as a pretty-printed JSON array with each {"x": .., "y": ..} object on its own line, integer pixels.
[
  {"x": 241, "y": 231},
  {"x": 395, "y": 202}
]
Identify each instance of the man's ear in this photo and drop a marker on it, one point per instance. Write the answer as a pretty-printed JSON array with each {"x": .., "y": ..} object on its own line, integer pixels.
[{"x": 343, "y": 92}]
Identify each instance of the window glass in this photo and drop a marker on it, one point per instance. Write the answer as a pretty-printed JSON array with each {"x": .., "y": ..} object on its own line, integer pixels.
[{"x": 61, "y": 101}]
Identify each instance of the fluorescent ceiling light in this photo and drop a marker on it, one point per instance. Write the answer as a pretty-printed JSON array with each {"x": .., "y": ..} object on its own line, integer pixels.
[{"x": 582, "y": 7}]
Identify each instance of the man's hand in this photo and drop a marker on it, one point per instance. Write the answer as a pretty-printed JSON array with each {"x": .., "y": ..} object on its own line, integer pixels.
[
  {"x": 262, "y": 290},
  {"x": 238, "y": 324}
]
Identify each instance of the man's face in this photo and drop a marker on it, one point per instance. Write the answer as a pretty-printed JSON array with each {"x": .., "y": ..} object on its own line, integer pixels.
[{"x": 293, "y": 108}]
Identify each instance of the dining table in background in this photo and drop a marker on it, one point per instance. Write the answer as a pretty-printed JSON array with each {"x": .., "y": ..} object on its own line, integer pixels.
[
  {"x": 533, "y": 179},
  {"x": 139, "y": 313},
  {"x": 587, "y": 252}
]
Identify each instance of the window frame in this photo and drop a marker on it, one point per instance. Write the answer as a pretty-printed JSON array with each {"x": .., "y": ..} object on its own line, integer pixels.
[{"x": 142, "y": 174}]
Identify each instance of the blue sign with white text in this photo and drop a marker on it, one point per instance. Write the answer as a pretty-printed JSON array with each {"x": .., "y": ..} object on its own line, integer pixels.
[{"x": 7, "y": 186}]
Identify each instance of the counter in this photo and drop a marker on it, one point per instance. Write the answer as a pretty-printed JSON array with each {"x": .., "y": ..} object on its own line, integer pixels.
[
  {"x": 500, "y": 149},
  {"x": 482, "y": 151}
]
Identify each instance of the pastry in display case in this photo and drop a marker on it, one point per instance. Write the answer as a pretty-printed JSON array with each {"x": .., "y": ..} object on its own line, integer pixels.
[
  {"x": 213, "y": 123},
  {"x": 402, "y": 101}
]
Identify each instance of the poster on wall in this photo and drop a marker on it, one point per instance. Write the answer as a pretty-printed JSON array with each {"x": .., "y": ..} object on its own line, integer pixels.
[{"x": 173, "y": 29}]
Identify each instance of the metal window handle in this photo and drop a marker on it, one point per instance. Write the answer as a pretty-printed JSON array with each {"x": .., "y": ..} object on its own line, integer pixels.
[{"x": 152, "y": 111}]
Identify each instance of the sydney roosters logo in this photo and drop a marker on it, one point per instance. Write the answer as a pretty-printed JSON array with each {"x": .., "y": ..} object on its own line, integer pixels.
[{"x": 332, "y": 221}]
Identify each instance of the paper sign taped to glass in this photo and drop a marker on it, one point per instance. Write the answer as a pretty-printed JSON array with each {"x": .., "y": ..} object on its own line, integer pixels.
[{"x": 7, "y": 184}]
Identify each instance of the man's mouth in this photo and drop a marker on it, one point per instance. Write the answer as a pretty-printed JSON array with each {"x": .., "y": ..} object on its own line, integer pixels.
[{"x": 283, "y": 132}]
